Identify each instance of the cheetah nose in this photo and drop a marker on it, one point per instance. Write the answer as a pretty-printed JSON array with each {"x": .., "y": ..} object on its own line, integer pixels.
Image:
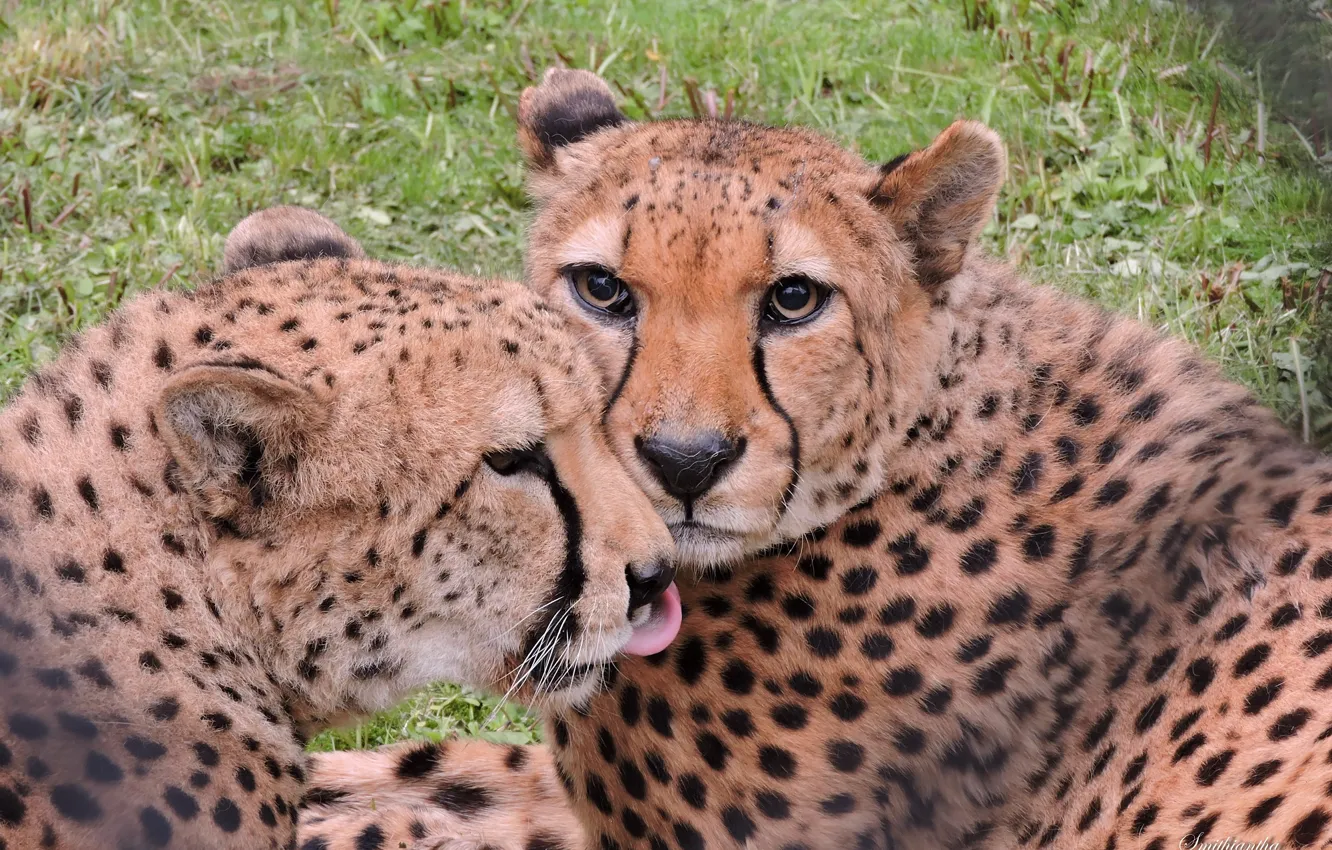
[
  {"x": 688, "y": 467},
  {"x": 647, "y": 582}
]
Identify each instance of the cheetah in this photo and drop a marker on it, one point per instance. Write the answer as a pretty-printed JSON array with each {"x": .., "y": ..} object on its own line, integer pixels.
[
  {"x": 972, "y": 563},
  {"x": 232, "y": 516}
]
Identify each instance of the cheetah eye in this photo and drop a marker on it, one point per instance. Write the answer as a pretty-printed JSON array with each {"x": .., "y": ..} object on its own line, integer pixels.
[
  {"x": 600, "y": 289},
  {"x": 513, "y": 461},
  {"x": 794, "y": 299}
]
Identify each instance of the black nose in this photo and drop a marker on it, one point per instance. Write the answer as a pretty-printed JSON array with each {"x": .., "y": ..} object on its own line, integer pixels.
[
  {"x": 688, "y": 467},
  {"x": 647, "y": 582}
]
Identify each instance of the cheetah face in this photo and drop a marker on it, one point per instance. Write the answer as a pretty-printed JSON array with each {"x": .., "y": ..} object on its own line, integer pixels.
[
  {"x": 446, "y": 502},
  {"x": 748, "y": 293}
]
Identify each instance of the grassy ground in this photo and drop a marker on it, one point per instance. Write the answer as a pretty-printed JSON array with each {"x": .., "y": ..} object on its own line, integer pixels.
[{"x": 1149, "y": 170}]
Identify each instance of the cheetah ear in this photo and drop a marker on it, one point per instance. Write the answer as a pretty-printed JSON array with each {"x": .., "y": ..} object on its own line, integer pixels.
[
  {"x": 237, "y": 432},
  {"x": 281, "y": 234},
  {"x": 941, "y": 197},
  {"x": 567, "y": 107}
]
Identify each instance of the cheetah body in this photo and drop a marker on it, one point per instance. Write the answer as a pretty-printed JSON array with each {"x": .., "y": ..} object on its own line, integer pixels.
[
  {"x": 232, "y": 516},
  {"x": 995, "y": 568}
]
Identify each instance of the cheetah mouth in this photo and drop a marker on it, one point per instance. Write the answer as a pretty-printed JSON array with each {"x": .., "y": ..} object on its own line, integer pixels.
[
  {"x": 553, "y": 677},
  {"x": 697, "y": 532},
  {"x": 656, "y": 625}
]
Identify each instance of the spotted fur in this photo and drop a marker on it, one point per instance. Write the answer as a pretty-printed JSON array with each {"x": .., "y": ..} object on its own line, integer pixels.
[
  {"x": 232, "y": 516},
  {"x": 1037, "y": 575}
]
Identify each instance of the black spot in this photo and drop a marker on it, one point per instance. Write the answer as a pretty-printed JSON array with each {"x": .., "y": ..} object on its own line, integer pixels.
[
  {"x": 818, "y": 567},
  {"x": 876, "y": 646},
  {"x": 737, "y": 720},
  {"x": 796, "y": 606},
  {"x": 226, "y": 815},
  {"x": 837, "y": 804},
  {"x": 370, "y": 838},
  {"x": 847, "y": 706},
  {"x": 993, "y": 678},
  {"x": 464, "y": 798},
  {"x": 181, "y": 803},
  {"x": 1012, "y": 608},
  {"x": 739, "y": 824},
  {"x": 162, "y": 356},
  {"x": 693, "y": 791},
  {"x": 89, "y": 494},
  {"x": 1150, "y": 713},
  {"x": 980, "y": 557},
  {"x": 596, "y": 794},
  {"x": 659, "y": 716},
  {"x": 1145, "y": 818},
  {"x": 1039, "y": 543},
  {"x": 790, "y": 716},
  {"x": 218, "y": 722},
  {"x": 861, "y": 534},
  {"x": 164, "y": 709},
  {"x": 691, "y": 660},
  {"x": 41, "y": 503},
  {"x": 12, "y": 807},
  {"x": 144, "y": 749},
  {"x": 713, "y": 751},
  {"x": 687, "y": 837},
  {"x": 156, "y": 828},
  {"x": 1310, "y": 827},
  {"x": 76, "y": 804},
  {"x": 902, "y": 681},
  {"x": 1213, "y": 767},
  {"x": 858, "y": 581},
  {"x": 1289, "y": 724},
  {"x": 737, "y": 677},
  {"x": 1028, "y": 474},
  {"x": 1111, "y": 492},
  {"x": 1146, "y": 410},
  {"x": 898, "y": 610},
  {"x": 773, "y": 804},
  {"x": 936, "y": 700},
  {"x": 912, "y": 557},
  {"x": 1262, "y": 696},
  {"x": 27, "y": 727},
  {"x": 417, "y": 762},
  {"x": 823, "y": 642},
  {"x": 1086, "y": 411},
  {"x": 777, "y": 762},
  {"x": 1261, "y": 812}
]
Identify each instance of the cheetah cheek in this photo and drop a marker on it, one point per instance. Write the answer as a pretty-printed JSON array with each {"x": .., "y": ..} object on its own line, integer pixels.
[{"x": 661, "y": 627}]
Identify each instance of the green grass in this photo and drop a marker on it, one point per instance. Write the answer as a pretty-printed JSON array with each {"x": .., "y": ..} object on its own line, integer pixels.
[{"x": 135, "y": 133}]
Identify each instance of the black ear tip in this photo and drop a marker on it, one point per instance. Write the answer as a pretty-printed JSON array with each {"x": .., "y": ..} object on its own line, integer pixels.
[
  {"x": 567, "y": 107},
  {"x": 282, "y": 234},
  {"x": 574, "y": 117}
]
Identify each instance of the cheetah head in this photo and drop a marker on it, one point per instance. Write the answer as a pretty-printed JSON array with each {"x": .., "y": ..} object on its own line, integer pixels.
[
  {"x": 755, "y": 297},
  {"x": 447, "y": 508}
]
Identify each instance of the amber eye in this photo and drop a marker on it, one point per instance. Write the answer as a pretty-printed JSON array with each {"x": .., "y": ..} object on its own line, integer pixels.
[
  {"x": 792, "y": 300},
  {"x": 514, "y": 461},
  {"x": 601, "y": 290}
]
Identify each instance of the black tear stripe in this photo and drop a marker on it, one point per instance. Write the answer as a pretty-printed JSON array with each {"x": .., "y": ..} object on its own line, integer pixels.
[
  {"x": 760, "y": 372},
  {"x": 573, "y": 578},
  {"x": 624, "y": 379}
]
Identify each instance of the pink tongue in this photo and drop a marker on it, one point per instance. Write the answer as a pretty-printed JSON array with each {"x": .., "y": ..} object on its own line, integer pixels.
[{"x": 660, "y": 629}]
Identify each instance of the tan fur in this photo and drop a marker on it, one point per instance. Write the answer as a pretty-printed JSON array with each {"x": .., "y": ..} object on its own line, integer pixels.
[
  {"x": 1087, "y": 602},
  {"x": 233, "y": 516}
]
